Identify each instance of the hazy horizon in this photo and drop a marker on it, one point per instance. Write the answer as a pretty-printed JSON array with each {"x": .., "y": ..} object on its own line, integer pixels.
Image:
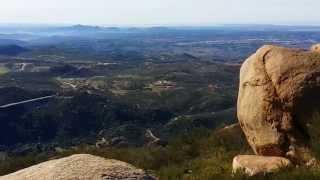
[
  {"x": 164, "y": 12},
  {"x": 31, "y": 25}
]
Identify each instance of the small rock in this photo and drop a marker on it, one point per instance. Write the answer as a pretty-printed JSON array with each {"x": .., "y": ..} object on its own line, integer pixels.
[
  {"x": 254, "y": 165},
  {"x": 315, "y": 48}
]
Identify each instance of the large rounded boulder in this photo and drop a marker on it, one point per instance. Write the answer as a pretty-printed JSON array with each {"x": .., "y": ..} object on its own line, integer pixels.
[{"x": 279, "y": 100}]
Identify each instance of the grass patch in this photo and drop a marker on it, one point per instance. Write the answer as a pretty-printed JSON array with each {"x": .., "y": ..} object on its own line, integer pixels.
[
  {"x": 3, "y": 70},
  {"x": 201, "y": 155}
]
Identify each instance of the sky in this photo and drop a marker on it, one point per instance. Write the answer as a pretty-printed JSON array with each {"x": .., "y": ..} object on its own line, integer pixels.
[{"x": 161, "y": 12}]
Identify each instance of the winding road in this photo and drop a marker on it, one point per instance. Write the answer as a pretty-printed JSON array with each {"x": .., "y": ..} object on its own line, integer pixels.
[{"x": 27, "y": 101}]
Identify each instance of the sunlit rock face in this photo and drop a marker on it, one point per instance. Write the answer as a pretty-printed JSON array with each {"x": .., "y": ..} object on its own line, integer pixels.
[
  {"x": 253, "y": 165},
  {"x": 80, "y": 166},
  {"x": 279, "y": 101}
]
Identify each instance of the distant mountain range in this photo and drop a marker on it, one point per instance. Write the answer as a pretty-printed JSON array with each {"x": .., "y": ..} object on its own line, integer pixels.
[{"x": 80, "y": 29}]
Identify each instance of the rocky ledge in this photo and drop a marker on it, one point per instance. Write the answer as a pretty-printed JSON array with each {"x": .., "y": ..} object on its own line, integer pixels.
[{"x": 81, "y": 167}]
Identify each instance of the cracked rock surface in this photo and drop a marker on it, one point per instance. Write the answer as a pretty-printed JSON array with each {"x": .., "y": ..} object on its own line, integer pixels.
[{"x": 278, "y": 94}]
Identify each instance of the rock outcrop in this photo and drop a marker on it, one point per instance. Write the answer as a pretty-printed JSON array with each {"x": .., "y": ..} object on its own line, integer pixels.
[
  {"x": 81, "y": 167},
  {"x": 278, "y": 96},
  {"x": 259, "y": 165}
]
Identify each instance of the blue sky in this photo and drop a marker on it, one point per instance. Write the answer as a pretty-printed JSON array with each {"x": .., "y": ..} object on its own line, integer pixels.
[{"x": 161, "y": 12}]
